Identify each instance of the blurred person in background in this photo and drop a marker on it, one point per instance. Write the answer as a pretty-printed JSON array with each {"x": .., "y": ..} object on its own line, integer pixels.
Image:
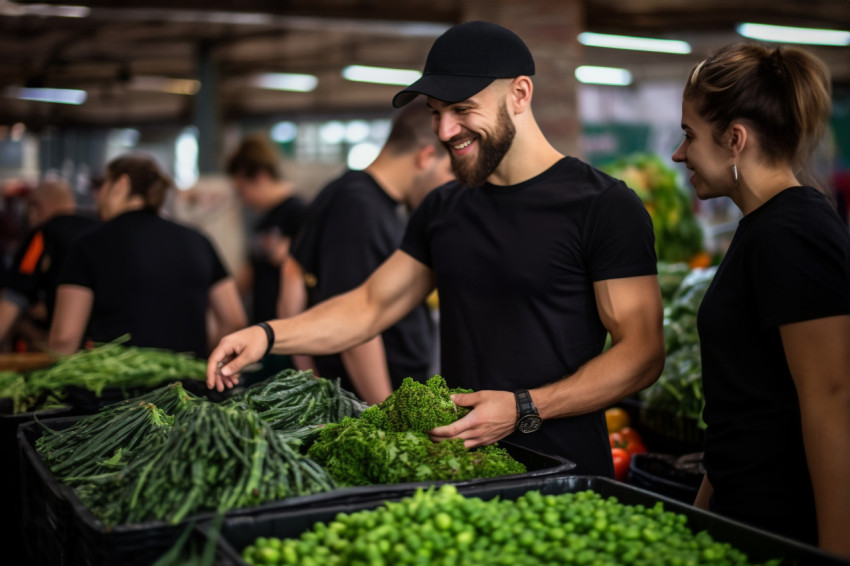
[
  {"x": 355, "y": 223},
  {"x": 774, "y": 325},
  {"x": 254, "y": 168},
  {"x": 140, "y": 274},
  {"x": 32, "y": 284}
]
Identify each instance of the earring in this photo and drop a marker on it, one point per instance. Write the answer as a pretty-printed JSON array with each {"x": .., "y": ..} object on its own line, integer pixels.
[{"x": 735, "y": 173}]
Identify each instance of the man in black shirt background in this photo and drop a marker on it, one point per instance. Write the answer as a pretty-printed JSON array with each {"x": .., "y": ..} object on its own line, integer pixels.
[
  {"x": 31, "y": 288},
  {"x": 255, "y": 170},
  {"x": 355, "y": 223}
]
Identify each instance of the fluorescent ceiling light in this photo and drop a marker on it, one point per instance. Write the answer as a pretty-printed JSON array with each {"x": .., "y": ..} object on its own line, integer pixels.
[
  {"x": 603, "y": 75},
  {"x": 286, "y": 81},
  {"x": 43, "y": 10},
  {"x": 785, "y": 34},
  {"x": 165, "y": 84},
  {"x": 57, "y": 95},
  {"x": 380, "y": 75},
  {"x": 634, "y": 43}
]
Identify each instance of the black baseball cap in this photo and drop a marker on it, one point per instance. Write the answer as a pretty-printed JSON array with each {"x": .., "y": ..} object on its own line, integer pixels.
[{"x": 466, "y": 59}]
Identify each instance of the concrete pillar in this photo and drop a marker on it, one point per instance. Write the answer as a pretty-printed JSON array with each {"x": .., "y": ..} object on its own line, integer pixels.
[{"x": 550, "y": 29}]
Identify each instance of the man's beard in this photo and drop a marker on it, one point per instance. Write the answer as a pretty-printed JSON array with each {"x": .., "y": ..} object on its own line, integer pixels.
[{"x": 491, "y": 150}]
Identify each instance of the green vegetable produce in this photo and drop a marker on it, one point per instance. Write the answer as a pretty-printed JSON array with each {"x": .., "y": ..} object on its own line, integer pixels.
[
  {"x": 420, "y": 407},
  {"x": 388, "y": 443},
  {"x": 293, "y": 400},
  {"x": 443, "y": 527},
  {"x": 115, "y": 365},
  {"x": 101, "y": 443},
  {"x": 679, "y": 388},
  {"x": 168, "y": 454},
  {"x": 678, "y": 235}
]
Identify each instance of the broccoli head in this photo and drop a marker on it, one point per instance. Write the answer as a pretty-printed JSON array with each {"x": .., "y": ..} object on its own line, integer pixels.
[{"x": 419, "y": 407}]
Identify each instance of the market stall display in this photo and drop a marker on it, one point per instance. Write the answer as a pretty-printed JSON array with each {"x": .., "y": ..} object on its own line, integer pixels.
[
  {"x": 678, "y": 235},
  {"x": 558, "y": 519}
]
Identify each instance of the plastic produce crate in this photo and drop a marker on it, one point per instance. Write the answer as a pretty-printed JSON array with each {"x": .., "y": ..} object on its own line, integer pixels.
[
  {"x": 239, "y": 532},
  {"x": 11, "y": 527},
  {"x": 88, "y": 541}
]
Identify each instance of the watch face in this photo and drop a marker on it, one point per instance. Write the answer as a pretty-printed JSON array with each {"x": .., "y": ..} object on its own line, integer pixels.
[{"x": 529, "y": 423}]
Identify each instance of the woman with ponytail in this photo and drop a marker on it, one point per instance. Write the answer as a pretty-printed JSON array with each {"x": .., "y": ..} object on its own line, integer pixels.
[
  {"x": 143, "y": 275},
  {"x": 775, "y": 324}
]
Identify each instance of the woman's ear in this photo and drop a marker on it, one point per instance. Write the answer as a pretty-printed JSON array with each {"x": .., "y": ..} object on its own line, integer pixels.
[{"x": 737, "y": 138}]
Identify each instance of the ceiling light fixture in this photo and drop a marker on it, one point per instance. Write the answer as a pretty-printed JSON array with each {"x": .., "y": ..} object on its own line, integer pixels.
[
  {"x": 15, "y": 9},
  {"x": 634, "y": 43},
  {"x": 380, "y": 75},
  {"x": 603, "y": 75},
  {"x": 165, "y": 84},
  {"x": 295, "y": 82},
  {"x": 55, "y": 95},
  {"x": 785, "y": 34}
]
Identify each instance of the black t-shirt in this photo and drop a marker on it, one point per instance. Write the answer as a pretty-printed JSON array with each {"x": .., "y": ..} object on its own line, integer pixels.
[
  {"x": 789, "y": 261},
  {"x": 515, "y": 268},
  {"x": 40, "y": 259},
  {"x": 150, "y": 278},
  {"x": 283, "y": 220},
  {"x": 352, "y": 227}
]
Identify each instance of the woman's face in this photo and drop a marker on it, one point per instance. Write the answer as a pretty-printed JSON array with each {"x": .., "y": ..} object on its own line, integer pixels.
[{"x": 710, "y": 163}]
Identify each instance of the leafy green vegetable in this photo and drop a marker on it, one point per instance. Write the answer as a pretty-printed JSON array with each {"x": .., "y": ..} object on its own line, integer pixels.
[{"x": 388, "y": 443}]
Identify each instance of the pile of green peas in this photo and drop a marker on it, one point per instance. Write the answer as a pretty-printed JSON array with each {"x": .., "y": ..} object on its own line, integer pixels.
[{"x": 442, "y": 527}]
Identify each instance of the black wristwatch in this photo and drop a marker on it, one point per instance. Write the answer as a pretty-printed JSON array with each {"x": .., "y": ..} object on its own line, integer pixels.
[{"x": 527, "y": 418}]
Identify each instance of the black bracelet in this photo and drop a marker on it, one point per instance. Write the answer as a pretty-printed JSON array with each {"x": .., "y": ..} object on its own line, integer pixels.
[{"x": 269, "y": 335}]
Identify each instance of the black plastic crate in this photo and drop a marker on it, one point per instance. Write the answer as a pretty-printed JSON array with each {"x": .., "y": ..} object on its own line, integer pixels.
[
  {"x": 45, "y": 508},
  {"x": 90, "y": 542},
  {"x": 11, "y": 527},
  {"x": 239, "y": 532}
]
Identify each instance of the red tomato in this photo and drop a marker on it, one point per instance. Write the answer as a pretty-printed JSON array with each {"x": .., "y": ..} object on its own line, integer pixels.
[
  {"x": 630, "y": 434},
  {"x": 621, "y": 463},
  {"x": 627, "y": 439}
]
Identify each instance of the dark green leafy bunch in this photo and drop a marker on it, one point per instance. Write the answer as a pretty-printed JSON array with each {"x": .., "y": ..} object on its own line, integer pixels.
[
  {"x": 420, "y": 407},
  {"x": 441, "y": 526},
  {"x": 294, "y": 399},
  {"x": 388, "y": 443}
]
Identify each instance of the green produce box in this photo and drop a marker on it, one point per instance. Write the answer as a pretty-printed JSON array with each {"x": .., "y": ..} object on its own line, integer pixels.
[
  {"x": 760, "y": 546},
  {"x": 88, "y": 541}
]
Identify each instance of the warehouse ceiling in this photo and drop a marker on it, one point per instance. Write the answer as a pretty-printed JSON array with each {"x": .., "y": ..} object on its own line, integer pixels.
[{"x": 121, "y": 51}]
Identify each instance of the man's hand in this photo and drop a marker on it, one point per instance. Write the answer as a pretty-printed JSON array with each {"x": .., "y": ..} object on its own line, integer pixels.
[
  {"x": 493, "y": 417},
  {"x": 234, "y": 352}
]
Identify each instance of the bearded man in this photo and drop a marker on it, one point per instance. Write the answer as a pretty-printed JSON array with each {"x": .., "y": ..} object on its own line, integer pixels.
[{"x": 536, "y": 257}]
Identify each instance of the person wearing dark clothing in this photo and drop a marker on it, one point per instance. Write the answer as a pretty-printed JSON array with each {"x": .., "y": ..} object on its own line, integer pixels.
[
  {"x": 281, "y": 223},
  {"x": 255, "y": 171},
  {"x": 140, "y": 274},
  {"x": 354, "y": 224},
  {"x": 596, "y": 230},
  {"x": 528, "y": 250},
  {"x": 37, "y": 265},
  {"x": 774, "y": 324}
]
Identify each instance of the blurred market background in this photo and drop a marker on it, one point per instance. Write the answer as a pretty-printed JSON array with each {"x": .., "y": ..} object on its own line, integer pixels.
[{"x": 187, "y": 79}]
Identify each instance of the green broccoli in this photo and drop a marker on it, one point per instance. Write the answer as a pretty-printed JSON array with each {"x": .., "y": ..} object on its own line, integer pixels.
[{"x": 419, "y": 407}]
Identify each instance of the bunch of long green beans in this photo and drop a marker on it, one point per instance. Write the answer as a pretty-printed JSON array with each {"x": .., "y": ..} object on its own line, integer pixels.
[
  {"x": 292, "y": 400},
  {"x": 168, "y": 454}
]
